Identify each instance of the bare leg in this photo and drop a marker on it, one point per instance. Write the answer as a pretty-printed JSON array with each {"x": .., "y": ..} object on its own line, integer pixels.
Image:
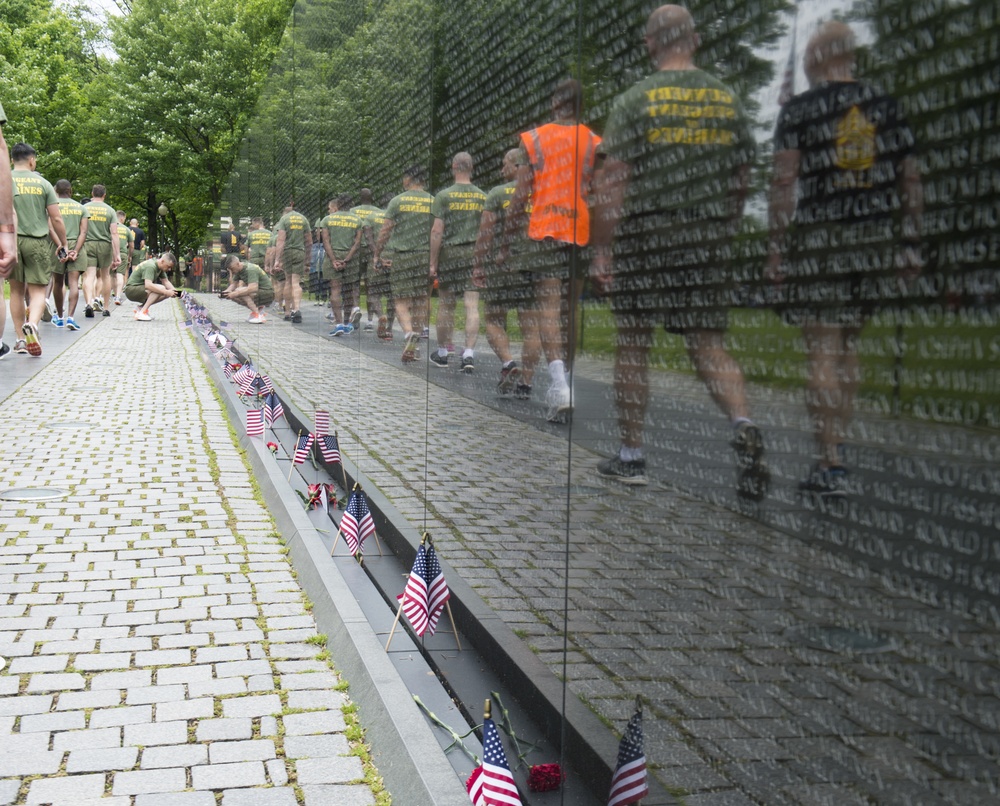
[
  {"x": 548, "y": 292},
  {"x": 17, "y": 307},
  {"x": 89, "y": 285},
  {"x": 57, "y": 293},
  {"x": 496, "y": 334},
  {"x": 296, "y": 294},
  {"x": 73, "y": 292},
  {"x": 471, "y": 319},
  {"x": 36, "y": 302},
  {"x": 718, "y": 371},
  {"x": 105, "y": 288},
  {"x": 445, "y": 317},
  {"x": 632, "y": 379},
  {"x": 336, "y": 301},
  {"x": 403, "y": 314},
  {"x": 834, "y": 376},
  {"x": 531, "y": 346}
]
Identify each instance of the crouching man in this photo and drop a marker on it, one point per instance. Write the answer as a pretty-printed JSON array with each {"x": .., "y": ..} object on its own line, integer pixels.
[
  {"x": 148, "y": 284},
  {"x": 249, "y": 285}
]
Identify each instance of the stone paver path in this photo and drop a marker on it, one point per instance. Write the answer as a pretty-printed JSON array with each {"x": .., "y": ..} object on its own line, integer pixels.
[{"x": 159, "y": 649}]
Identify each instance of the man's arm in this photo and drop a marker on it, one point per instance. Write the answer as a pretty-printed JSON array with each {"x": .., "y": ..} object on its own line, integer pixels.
[
  {"x": 309, "y": 240},
  {"x": 8, "y": 223},
  {"x": 610, "y": 182},
  {"x": 383, "y": 238},
  {"x": 55, "y": 218},
  {"x": 74, "y": 253},
  {"x": 279, "y": 250},
  {"x": 514, "y": 220},
  {"x": 437, "y": 233},
  {"x": 324, "y": 235},
  {"x": 484, "y": 247},
  {"x": 780, "y": 208},
  {"x": 354, "y": 246},
  {"x": 116, "y": 254}
]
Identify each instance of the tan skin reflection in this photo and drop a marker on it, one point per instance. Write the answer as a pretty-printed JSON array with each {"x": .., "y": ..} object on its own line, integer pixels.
[
  {"x": 831, "y": 349},
  {"x": 671, "y": 41}
]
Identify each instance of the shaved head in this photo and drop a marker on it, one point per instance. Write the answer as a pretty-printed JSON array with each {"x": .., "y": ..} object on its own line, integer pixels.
[
  {"x": 830, "y": 52},
  {"x": 462, "y": 163},
  {"x": 670, "y": 29}
]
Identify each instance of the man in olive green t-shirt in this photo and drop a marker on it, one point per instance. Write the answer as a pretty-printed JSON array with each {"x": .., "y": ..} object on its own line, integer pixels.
[
  {"x": 456, "y": 212},
  {"x": 341, "y": 234},
  {"x": 149, "y": 284},
  {"x": 126, "y": 249},
  {"x": 37, "y": 208},
  {"x": 66, "y": 274},
  {"x": 293, "y": 244},
  {"x": 102, "y": 253},
  {"x": 371, "y": 221},
  {"x": 249, "y": 285},
  {"x": 257, "y": 240},
  {"x": 405, "y": 235}
]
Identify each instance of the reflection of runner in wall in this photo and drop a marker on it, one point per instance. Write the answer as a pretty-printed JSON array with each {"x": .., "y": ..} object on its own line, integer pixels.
[
  {"x": 844, "y": 164},
  {"x": 678, "y": 152}
]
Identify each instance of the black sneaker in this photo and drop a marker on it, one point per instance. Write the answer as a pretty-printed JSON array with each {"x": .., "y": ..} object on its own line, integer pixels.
[
  {"x": 440, "y": 361},
  {"x": 754, "y": 477},
  {"x": 88, "y": 312},
  {"x": 287, "y": 317},
  {"x": 632, "y": 473},
  {"x": 297, "y": 317},
  {"x": 826, "y": 482},
  {"x": 468, "y": 364},
  {"x": 107, "y": 312},
  {"x": 4, "y": 351},
  {"x": 523, "y": 391},
  {"x": 508, "y": 379}
]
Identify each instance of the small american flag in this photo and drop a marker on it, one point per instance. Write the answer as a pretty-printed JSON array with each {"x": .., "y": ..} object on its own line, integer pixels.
[
  {"x": 255, "y": 423},
  {"x": 302, "y": 448},
  {"x": 426, "y": 592},
  {"x": 266, "y": 384},
  {"x": 628, "y": 784},
  {"x": 273, "y": 410},
  {"x": 491, "y": 783},
  {"x": 322, "y": 422},
  {"x": 357, "y": 522},
  {"x": 230, "y": 370},
  {"x": 244, "y": 377},
  {"x": 329, "y": 448}
]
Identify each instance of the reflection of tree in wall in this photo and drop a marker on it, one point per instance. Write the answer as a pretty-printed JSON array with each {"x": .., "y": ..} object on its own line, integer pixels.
[{"x": 936, "y": 58}]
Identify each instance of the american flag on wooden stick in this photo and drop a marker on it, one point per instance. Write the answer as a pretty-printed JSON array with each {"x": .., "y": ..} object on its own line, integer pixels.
[
  {"x": 357, "y": 522},
  {"x": 302, "y": 448},
  {"x": 273, "y": 410},
  {"x": 255, "y": 423},
  {"x": 628, "y": 784},
  {"x": 329, "y": 449},
  {"x": 426, "y": 592},
  {"x": 491, "y": 783},
  {"x": 322, "y": 422}
]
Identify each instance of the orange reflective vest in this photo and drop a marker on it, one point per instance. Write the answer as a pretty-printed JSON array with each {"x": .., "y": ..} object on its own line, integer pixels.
[{"x": 562, "y": 158}]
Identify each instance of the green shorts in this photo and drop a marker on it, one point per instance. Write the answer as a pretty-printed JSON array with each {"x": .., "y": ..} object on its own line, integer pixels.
[
  {"x": 294, "y": 261},
  {"x": 136, "y": 293},
  {"x": 34, "y": 260},
  {"x": 278, "y": 276},
  {"x": 508, "y": 288},
  {"x": 123, "y": 266},
  {"x": 455, "y": 267},
  {"x": 263, "y": 297},
  {"x": 99, "y": 254},
  {"x": 409, "y": 273},
  {"x": 348, "y": 275}
]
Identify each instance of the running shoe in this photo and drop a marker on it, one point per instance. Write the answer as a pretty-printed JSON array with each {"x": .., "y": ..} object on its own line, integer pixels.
[
  {"x": 425, "y": 333},
  {"x": 98, "y": 304},
  {"x": 337, "y": 331},
  {"x": 4, "y": 351},
  {"x": 50, "y": 310},
  {"x": 508, "y": 378},
  {"x": 71, "y": 324},
  {"x": 632, "y": 473},
  {"x": 369, "y": 326},
  {"x": 106, "y": 312},
  {"x": 754, "y": 477},
  {"x": 523, "y": 391},
  {"x": 468, "y": 364},
  {"x": 826, "y": 482},
  {"x": 88, "y": 312},
  {"x": 21, "y": 347},
  {"x": 118, "y": 300},
  {"x": 58, "y": 321},
  {"x": 355, "y": 319},
  {"x": 559, "y": 401},
  {"x": 410, "y": 351},
  {"x": 254, "y": 319},
  {"x": 297, "y": 317},
  {"x": 143, "y": 316},
  {"x": 34, "y": 347},
  {"x": 439, "y": 361}
]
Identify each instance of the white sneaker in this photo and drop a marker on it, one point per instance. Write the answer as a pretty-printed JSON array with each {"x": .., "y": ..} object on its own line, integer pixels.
[
  {"x": 355, "y": 319},
  {"x": 142, "y": 316},
  {"x": 558, "y": 399}
]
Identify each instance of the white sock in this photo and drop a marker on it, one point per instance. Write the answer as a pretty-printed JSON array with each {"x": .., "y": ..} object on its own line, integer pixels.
[
  {"x": 557, "y": 373},
  {"x": 629, "y": 454},
  {"x": 443, "y": 352},
  {"x": 738, "y": 421},
  {"x": 469, "y": 353}
]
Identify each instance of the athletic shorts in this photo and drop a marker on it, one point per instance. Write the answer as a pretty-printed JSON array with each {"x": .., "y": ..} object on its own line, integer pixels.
[
  {"x": 508, "y": 289},
  {"x": 294, "y": 261},
  {"x": 678, "y": 275},
  {"x": 263, "y": 297},
  {"x": 34, "y": 260},
  {"x": 410, "y": 274},
  {"x": 99, "y": 254},
  {"x": 123, "y": 267},
  {"x": 551, "y": 258},
  {"x": 278, "y": 276},
  {"x": 136, "y": 293},
  {"x": 455, "y": 267},
  {"x": 351, "y": 273}
]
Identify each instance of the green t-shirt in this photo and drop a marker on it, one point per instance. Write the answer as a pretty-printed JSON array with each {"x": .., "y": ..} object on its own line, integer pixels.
[
  {"x": 101, "y": 217},
  {"x": 460, "y": 207},
  {"x": 34, "y": 195},
  {"x": 410, "y": 213},
  {"x": 342, "y": 227},
  {"x": 252, "y": 273},
  {"x": 684, "y": 134},
  {"x": 72, "y": 213},
  {"x": 497, "y": 202},
  {"x": 257, "y": 242},
  {"x": 125, "y": 237},
  {"x": 371, "y": 218},
  {"x": 147, "y": 270},
  {"x": 294, "y": 226}
]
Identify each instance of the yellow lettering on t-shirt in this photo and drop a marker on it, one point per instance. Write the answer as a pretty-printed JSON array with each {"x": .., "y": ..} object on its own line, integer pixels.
[{"x": 689, "y": 136}]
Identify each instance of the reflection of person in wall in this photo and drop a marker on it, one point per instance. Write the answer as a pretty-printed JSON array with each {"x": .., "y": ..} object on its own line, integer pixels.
[
  {"x": 678, "y": 149},
  {"x": 555, "y": 174},
  {"x": 846, "y": 190},
  {"x": 249, "y": 286}
]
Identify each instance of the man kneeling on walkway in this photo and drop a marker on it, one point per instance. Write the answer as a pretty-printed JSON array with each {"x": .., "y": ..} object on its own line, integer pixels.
[
  {"x": 148, "y": 284},
  {"x": 249, "y": 285}
]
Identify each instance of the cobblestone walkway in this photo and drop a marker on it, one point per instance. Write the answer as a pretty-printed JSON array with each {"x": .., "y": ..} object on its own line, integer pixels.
[
  {"x": 159, "y": 649},
  {"x": 727, "y": 628}
]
